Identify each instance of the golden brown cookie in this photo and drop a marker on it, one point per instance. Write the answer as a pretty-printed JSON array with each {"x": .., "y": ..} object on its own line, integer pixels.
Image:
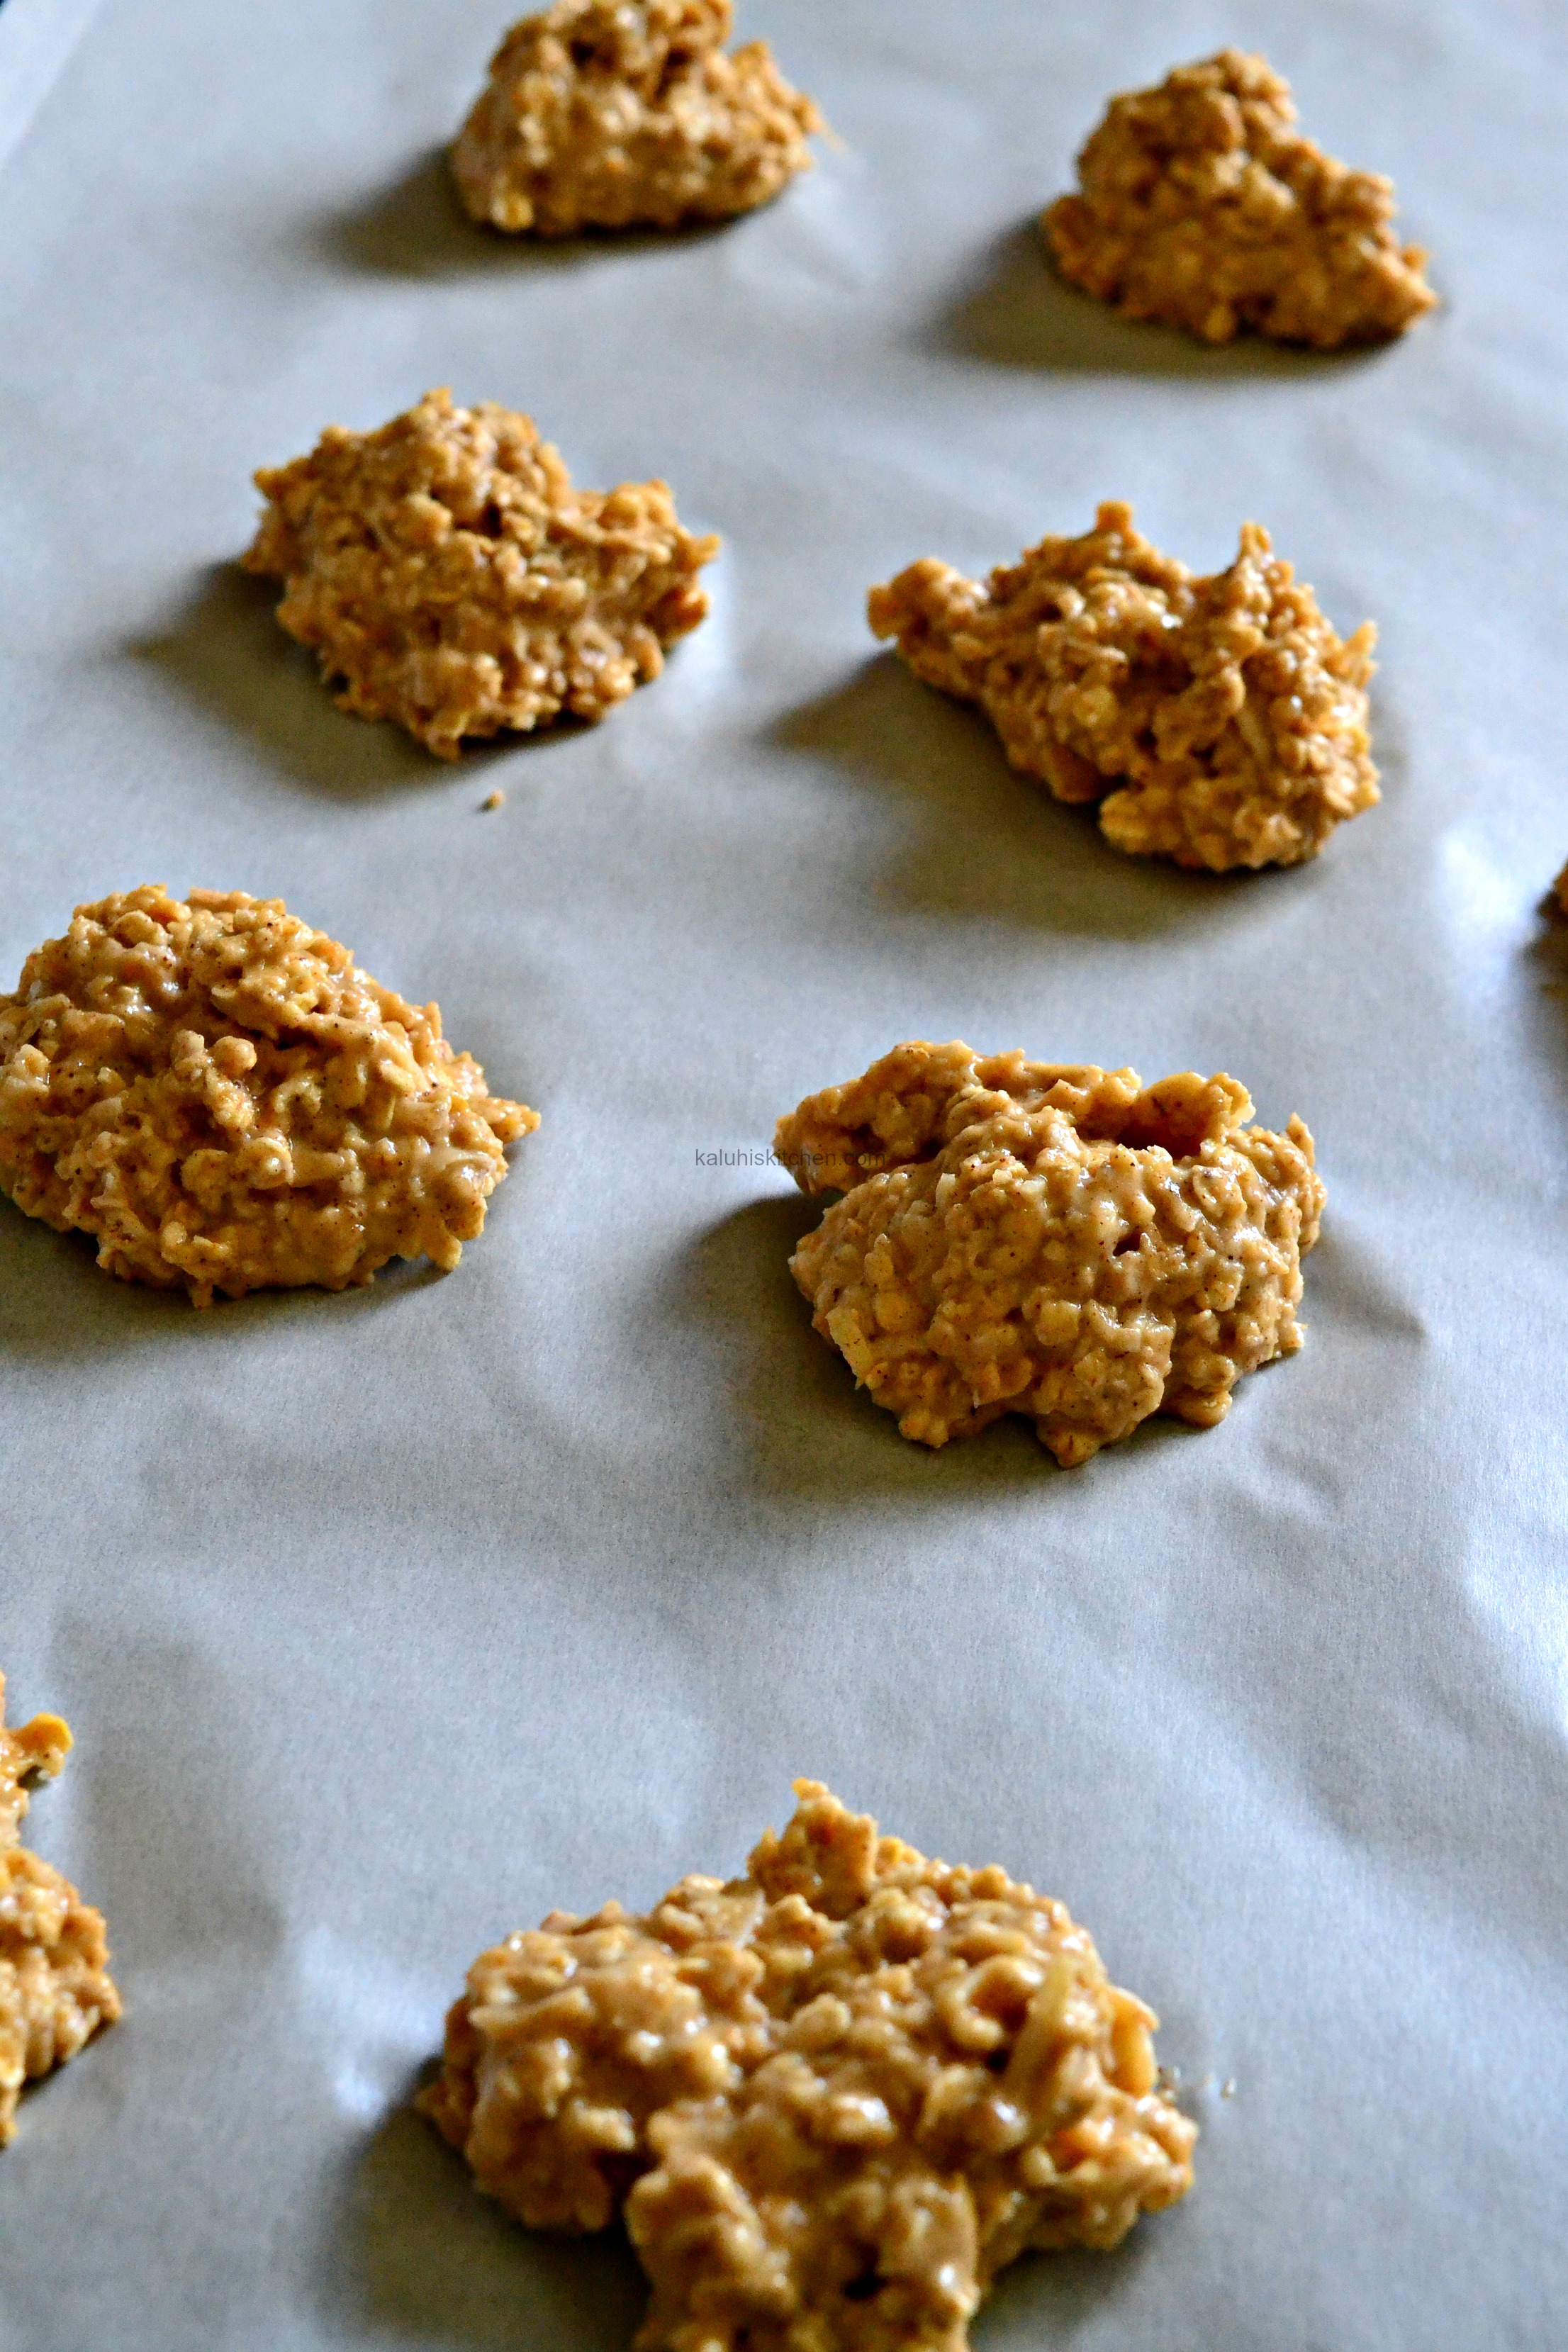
[
  {"x": 1201, "y": 205},
  {"x": 55, "y": 1988},
  {"x": 445, "y": 568},
  {"x": 1218, "y": 722},
  {"x": 613, "y": 113},
  {"x": 833, "y": 2097},
  {"x": 225, "y": 1100},
  {"x": 1058, "y": 1241}
]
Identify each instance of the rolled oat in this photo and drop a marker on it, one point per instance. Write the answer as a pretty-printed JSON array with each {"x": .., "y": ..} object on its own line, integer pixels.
[
  {"x": 833, "y": 2097},
  {"x": 1202, "y": 206},
  {"x": 225, "y": 1100},
  {"x": 445, "y": 569},
  {"x": 611, "y": 114},
  {"x": 1218, "y": 722},
  {"x": 1058, "y": 1241},
  {"x": 55, "y": 1989}
]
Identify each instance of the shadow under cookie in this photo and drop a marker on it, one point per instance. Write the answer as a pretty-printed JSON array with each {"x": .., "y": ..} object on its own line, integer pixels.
[
  {"x": 411, "y": 2248},
  {"x": 224, "y": 650},
  {"x": 1017, "y": 312},
  {"x": 991, "y": 842},
  {"x": 56, "y": 1304},
  {"x": 1047, "y": 2299},
  {"x": 1543, "y": 960},
  {"x": 416, "y": 226},
  {"x": 409, "y": 2244},
  {"x": 800, "y": 1431}
]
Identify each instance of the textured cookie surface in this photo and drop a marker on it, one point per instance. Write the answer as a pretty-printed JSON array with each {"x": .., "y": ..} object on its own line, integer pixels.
[
  {"x": 611, "y": 114},
  {"x": 445, "y": 568},
  {"x": 833, "y": 2097},
  {"x": 1219, "y": 722},
  {"x": 55, "y": 1989},
  {"x": 1201, "y": 205},
  {"x": 218, "y": 1094},
  {"x": 1063, "y": 1242}
]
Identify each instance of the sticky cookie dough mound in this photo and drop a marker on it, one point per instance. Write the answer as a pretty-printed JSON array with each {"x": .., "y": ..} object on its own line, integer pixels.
[
  {"x": 607, "y": 114},
  {"x": 55, "y": 1989},
  {"x": 446, "y": 570},
  {"x": 1064, "y": 1243},
  {"x": 572, "y": 2035},
  {"x": 1218, "y": 722},
  {"x": 1202, "y": 206},
  {"x": 219, "y": 1095},
  {"x": 835, "y": 2096}
]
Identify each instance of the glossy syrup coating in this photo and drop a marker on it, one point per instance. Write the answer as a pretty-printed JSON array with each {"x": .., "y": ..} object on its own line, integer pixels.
[
  {"x": 1220, "y": 723},
  {"x": 1063, "y": 1242},
  {"x": 617, "y": 114},
  {"x": 54, "y": 1987},
  {"x": 833, "y": 2097},
  {"x": 445, "y": 568},
  {"x": 1201, "y": 205},
  {"x": 225, "y": 1101}
]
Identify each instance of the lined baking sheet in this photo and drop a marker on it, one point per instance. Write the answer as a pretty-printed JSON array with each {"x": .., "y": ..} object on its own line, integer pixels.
[{"x": 385, "y": 1622}]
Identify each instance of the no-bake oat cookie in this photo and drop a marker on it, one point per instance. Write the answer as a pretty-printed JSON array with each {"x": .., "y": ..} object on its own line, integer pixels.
[
  {"x": 1058, "y": 1241},
  {"x": 222, "y": 1097},
  {"x": 55, "y": 1988},
  {"x": 1201, "y": 205},
  {"x": 445, "y": 569},
  {"x": 833, "y": 2097},
  {"x": 613, "y": 113},
  {"x": 1218, "y": 722}
]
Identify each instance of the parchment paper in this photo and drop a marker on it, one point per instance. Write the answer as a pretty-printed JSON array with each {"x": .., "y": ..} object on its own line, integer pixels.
[{"x": 387, "y": 1620}]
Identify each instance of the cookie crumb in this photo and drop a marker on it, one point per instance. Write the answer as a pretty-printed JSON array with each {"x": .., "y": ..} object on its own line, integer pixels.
[
  {"x": 1055, "y": 1241},
  {"x": 1219, "y": 722},
  {"x": 54, "y": 1987},
  {"x": 494, "y": 800},
  {"x": 622, "y": 114},
  {"x": 445, "y": 568},
  {"x": 1200, "y": 206},
  {"x": 833, "y": 2097}
]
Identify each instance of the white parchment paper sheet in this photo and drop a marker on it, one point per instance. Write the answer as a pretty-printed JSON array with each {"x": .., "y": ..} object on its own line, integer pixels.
[{"x": 386, "y": 1622}]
